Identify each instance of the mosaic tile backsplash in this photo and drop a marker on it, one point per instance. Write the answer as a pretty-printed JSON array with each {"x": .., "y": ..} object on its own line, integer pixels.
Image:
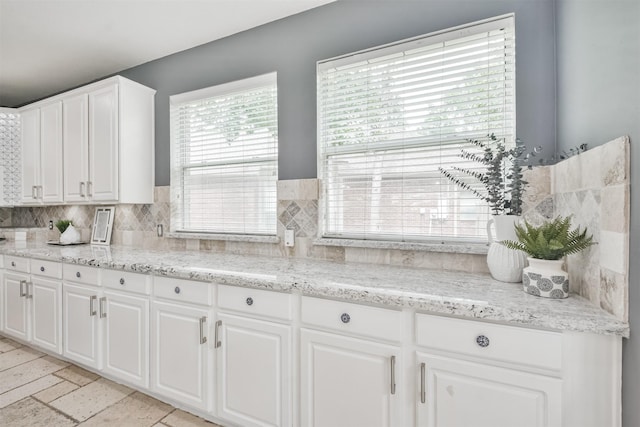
[{"x": 9, "y": 158}]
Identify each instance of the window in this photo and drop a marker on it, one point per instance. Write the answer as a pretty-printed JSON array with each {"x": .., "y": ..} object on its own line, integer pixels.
[
  {"x": 224, "y": 149},
  {"x": 389, "y": 117}
]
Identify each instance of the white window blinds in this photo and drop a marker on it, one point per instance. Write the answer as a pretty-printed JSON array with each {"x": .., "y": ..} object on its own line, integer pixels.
[
  {"x": 224, "y": 158},
  {"x": 390, "y": 117}
]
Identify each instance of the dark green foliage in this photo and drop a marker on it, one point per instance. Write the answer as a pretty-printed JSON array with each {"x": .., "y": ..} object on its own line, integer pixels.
[
  {"x": 63, "y": 224},
  {"x": 502, "y": 181},
  {"x": 552, "y": 240}
]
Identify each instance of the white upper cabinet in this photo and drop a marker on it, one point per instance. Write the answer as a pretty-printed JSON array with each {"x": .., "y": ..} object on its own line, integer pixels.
[
  {"x": 42, "y": 154},
  {"x": 98, "y": 141}
]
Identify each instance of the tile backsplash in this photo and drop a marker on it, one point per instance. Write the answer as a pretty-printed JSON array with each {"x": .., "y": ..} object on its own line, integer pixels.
[{"x": 593, "y": 187}]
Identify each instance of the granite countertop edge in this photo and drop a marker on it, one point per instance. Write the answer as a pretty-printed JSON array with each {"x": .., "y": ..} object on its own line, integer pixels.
[{"x": 466, "y": 295}]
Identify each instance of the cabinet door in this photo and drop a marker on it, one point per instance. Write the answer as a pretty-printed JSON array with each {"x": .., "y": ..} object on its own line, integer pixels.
[
  {"x": 30, "y": 156},
  {"x": 348, "y": 382},
  {"x": 76, "y": 147},
  {"x": 46, "y": 313},
  {"x": 15, "y": 310},
  {"x": 126, "y": 341},
  {"x": 179, "y": 353},
  {"x": 254, "y": 372},
  {"x": 50, "y": 189},
  {"x": 103, "y": 144},
  {"x": 80, "y": 325},
  {"x": 460, "y": 394}
]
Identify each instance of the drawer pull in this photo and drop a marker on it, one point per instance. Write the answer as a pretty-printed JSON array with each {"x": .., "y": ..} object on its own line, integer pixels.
[
  {"x": 177, "y": 290},
  {"x": 423, "y": 391},
  {"x": 78, "y": 274},
  {"x": 42, "y": 268},
  {"x": 482, "y": 341},
  {"x": 202, "y": 321},
  {"x": 393, "y": 375},
  {"x": 13, "y": 263},
  {"x": 345, "y": 318},
  {"x": 121, "y": 281},
  {"x": 249, "y": 301}
]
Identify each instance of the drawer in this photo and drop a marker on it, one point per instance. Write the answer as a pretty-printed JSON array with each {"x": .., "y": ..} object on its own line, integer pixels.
[
  {"x": 352, "y": 318},
  {"x": 81, "y": 274},
  {"x": 127, "y": 281},
  {"x": 16, "y": 263},
  {"x": 46, "y": 268},
  {"x": 541, "y": 349},
  {"x": 182, "y": 290},
  {"x": 255, "y": 301}
]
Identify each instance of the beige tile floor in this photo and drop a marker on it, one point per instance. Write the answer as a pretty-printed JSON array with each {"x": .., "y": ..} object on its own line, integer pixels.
[{"x": 39, "y": 390}]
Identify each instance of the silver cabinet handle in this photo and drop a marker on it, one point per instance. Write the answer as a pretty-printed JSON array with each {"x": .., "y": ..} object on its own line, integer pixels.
[
  {"x": 249, "y": 301},
  {"x": 203, "y": 339},
  {"x": 39, "y": 191},
  {"x": 218, "y": 343},
  {"x": 78, "y": 274},
  {"x": 122, "y": 281},
  {"x": 345, "y": 318},
  {"x": 393, "y": 375},
  {"x": 82, "y": 185},
  {"x": 92, "y": 310},
  {"x": 89, "y": 188},
  {"x": 103, "y": 313},
  {"x": 23, "y": 284},
  {"x": 29, "y": 294},
  {"x": 34, "y": 192},
  {"x": 423, "y": 391}
]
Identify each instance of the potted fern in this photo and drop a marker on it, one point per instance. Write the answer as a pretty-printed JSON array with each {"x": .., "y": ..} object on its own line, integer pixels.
[
  {"x": 547, "y": 245},
  {"x": 499, "y": 182}
]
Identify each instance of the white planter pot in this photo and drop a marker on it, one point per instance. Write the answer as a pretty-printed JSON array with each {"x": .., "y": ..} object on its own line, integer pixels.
[
  {"x": 504, "y": 264},
  {"x": 546, "y": 278}
]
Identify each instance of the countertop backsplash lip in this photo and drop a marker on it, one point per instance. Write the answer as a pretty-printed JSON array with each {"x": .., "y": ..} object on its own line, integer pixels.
[
  {"x": 467, "y": 295},
  {"x": 476, "y": 248}
]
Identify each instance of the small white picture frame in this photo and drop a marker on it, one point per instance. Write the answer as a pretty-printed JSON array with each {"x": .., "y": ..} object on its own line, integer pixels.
[{"x": 102, "y": 225}]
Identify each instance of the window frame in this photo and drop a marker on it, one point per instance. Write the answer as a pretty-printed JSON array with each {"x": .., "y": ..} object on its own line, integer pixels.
[
  {"x": 373, "y": 53},
  {"x": 178, "y": 168}
]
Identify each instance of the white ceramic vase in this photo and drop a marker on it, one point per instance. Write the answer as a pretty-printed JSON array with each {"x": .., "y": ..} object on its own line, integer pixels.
[
  {"x": 546, "y": 278},
  {"x": 505, "y": 264},
  {"x": 70, "y": 235}
]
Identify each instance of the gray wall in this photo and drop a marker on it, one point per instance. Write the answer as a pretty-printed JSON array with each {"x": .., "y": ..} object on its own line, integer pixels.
[
  {"x": 293, "y": 45},
  {"x": 598, "y": 83}
]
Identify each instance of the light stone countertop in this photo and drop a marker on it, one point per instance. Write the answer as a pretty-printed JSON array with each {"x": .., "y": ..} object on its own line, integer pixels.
[{"x": 445, "y": 292}]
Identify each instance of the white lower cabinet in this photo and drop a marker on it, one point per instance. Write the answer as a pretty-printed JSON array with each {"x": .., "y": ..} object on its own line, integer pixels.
[
  {"x": 46, "y": 313},
  {"x": 457, "y": 393},
  {"x": 81, "y": 325},
  {"x": 253, "y": 371},
  {"x": 15, "y": 311},
  {"x": 31, "y": 310},
  {"x": 348, "y": 382},
  {"x": 126, "y": 337},
  {"x": 180, "y": 353}
]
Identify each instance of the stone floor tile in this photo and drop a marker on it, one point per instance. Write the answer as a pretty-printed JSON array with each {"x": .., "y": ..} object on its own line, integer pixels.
[
  {"x": 28, "y": 372},
  {"x": 17, "y": 357},
  {"x": 135, "y": 410},
  {"x": 180, "y": 418},
  {"x": 58, "y": 390},
  {"x": 26, "y": 390},
  {"x": 7, "y": 344},
  {"x": 91, "y": 399},
  {"x": 31, "y": 413},
  {"x": 77, "y": 375}
]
